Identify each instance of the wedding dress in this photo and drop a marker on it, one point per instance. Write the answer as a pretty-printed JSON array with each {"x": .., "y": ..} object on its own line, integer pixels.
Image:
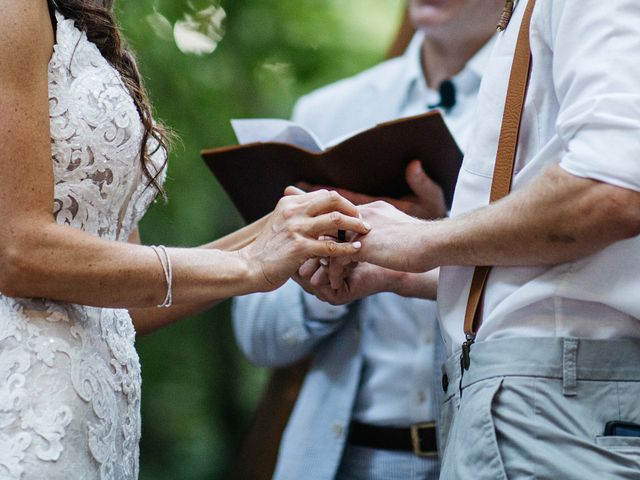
[{"x": 69, "y": 374}]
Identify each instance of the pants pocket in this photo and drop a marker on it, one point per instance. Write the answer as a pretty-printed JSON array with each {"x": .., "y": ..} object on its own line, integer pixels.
[
  {"x": 472, "y": 447},
  {"x": 625, "y": 446}
]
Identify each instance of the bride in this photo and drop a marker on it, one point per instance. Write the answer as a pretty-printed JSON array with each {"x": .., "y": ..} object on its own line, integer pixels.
[{"x": 81, "y": 160}]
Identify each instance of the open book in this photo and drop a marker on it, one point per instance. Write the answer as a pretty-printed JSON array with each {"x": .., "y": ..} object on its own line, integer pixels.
[
  {"x": 276, "y": 153},
  {"x": 265, "y": 130}
]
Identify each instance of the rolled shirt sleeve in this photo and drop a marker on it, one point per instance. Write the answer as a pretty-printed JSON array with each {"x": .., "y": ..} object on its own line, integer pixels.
[{"x": 597, "y": 82}]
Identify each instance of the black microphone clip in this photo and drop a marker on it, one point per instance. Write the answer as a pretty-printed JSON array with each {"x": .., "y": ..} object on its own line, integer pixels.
[{"x": 447, "y": 92}]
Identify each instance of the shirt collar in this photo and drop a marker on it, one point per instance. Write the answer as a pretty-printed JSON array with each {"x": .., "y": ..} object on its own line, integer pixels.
[
  {"x": 413, "y": 59},
  {"x": 466, "y": 81}
]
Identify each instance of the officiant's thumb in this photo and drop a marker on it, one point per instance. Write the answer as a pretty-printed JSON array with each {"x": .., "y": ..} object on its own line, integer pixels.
[
  {"x": 429, "y": 194},
  {"x": 419, "y": 181}
]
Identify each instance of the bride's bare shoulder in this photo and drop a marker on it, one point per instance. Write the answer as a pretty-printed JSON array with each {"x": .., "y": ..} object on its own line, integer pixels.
[{"x": 26, "y": 35}]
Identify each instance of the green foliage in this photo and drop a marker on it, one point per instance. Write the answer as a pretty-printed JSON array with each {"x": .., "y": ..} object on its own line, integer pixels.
[{"x": 198, "y": 390}]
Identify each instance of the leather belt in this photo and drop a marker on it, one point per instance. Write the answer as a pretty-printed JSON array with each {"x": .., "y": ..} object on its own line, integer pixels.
[{"x": 420, "y": 439}]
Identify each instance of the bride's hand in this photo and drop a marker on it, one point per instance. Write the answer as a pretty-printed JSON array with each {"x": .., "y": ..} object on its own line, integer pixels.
[{"x": 292, "y": 234}]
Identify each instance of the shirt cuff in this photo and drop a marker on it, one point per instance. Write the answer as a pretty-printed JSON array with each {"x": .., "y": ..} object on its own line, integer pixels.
[{"x": 319, "y": 310}]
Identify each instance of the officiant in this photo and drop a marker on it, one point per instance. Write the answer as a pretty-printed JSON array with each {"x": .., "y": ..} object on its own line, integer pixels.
[{"x": 369, "y": 403}]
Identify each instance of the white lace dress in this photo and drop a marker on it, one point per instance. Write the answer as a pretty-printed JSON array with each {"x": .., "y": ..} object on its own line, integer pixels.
[{"x": 69, "y": 374}]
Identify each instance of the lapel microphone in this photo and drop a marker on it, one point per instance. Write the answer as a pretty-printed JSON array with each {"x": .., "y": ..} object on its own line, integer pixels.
[{"x": 447, "y": 92}]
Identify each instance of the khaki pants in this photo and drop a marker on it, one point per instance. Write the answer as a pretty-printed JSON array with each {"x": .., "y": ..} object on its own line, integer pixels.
[{"x": 536, "y": 408}]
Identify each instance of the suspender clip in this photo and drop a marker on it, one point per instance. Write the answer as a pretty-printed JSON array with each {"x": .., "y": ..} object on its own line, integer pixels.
[{"x": 465, "y": 358}]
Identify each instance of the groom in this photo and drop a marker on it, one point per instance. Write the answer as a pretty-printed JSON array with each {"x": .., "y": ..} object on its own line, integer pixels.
[{"x": 550, "y": 345}]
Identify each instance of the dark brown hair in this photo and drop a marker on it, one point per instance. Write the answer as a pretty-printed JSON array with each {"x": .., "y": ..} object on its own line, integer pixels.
[{"x": 96, "y": 19}]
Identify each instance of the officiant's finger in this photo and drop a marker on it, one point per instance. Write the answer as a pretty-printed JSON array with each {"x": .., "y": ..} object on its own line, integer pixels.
[
  {"x": 423, "y": 186},
  {"x": 331, "y": 223},
  {"x": 418, "y": 179}
]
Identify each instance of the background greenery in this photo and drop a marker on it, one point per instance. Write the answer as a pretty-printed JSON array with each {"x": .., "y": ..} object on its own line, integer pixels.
[{"x": 198, "y": 390}]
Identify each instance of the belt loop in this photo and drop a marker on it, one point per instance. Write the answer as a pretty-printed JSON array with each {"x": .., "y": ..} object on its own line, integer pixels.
[{"x": 569, "y": 367}]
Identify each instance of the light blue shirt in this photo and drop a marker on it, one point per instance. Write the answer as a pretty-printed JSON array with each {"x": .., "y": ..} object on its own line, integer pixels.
[
  {"x": 398, "y": 338},
  {"x": 372, "y": 360}
]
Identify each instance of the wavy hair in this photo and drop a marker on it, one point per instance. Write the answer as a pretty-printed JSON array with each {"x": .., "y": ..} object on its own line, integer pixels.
[{"x": 96, "y": 19}]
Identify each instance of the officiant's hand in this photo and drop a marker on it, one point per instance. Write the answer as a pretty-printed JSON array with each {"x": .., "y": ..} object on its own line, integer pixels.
[
  {"x": 302, "y": 227},
  {"x": 426, "y": 201}
]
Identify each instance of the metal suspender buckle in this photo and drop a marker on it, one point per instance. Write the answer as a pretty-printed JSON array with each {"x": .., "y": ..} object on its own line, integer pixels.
[{"x": 465, "y": 357}]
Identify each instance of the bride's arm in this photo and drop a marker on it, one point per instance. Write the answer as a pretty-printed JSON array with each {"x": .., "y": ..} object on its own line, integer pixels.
[
  {"x": 39, "y": 258},
  {"x": 240, "y": 238},
  {"x": 148, "y": 320}
]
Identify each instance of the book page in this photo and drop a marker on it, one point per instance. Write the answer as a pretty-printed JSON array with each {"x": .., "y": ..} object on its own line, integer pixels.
[
  {"x": 262, "y": 130},
  {"x": 338, "y": 140}
]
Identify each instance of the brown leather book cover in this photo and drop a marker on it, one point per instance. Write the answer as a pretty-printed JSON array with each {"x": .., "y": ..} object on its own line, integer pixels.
[{"x": 371, "y": 162}]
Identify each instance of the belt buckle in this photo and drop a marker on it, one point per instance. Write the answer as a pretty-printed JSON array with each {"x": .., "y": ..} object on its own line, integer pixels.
[{"x": 415, "y": 439}]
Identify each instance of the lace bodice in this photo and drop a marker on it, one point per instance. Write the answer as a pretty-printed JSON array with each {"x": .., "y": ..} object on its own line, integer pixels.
[
  {"x": 69, "y": 374},
  {"x": 96, "y": 137}
]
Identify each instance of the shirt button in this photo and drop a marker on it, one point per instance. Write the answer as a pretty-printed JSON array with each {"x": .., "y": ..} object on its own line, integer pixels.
[
  {"x": 421, "y": 397},
  {"x": 290, "y": 336},
  {"x": 445, "y": 382},
  {"x": 337, "y": 429}
]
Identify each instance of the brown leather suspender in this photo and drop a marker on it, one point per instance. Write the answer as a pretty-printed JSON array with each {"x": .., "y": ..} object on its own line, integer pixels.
[{"x": 503, "y": 170}]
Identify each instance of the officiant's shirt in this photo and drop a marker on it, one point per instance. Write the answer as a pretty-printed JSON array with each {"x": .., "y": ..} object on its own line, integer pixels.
[{"x": 398, "y": 334}]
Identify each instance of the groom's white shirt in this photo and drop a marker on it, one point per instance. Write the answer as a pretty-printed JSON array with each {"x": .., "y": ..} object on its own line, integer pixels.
[
  {"x": 582, "y": 113},
  {"x": 374, "y": 361}
]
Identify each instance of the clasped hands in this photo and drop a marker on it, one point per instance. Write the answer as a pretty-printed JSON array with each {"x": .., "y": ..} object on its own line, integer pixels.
[{"x": 390, "y": 250}]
